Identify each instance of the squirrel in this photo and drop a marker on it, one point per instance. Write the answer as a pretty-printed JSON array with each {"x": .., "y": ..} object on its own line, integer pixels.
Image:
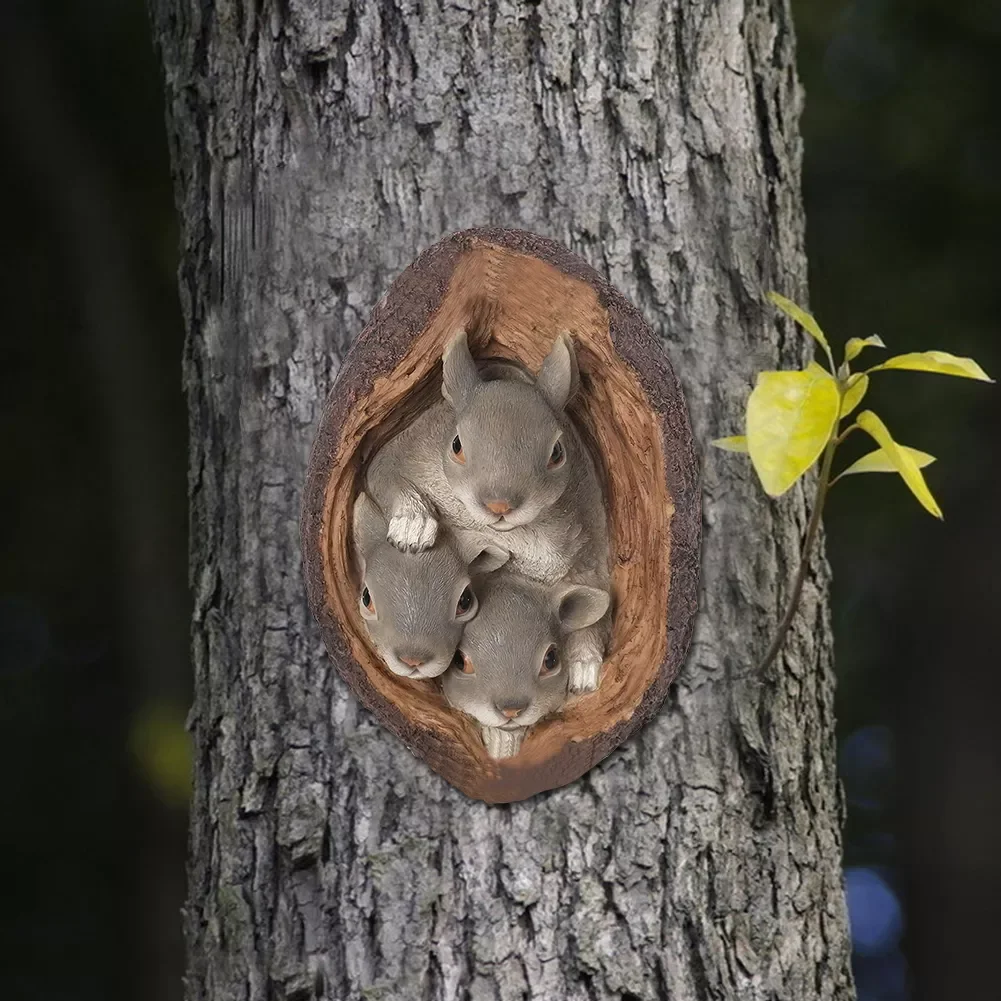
[
  {"x": 415, "y": 604},
  {"x": 510, "y": 669}
]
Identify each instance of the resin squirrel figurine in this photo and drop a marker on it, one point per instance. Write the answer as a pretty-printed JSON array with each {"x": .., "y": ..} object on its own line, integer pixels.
[
  {"x": 415, "y": 605},
  {"x": 510, "y": 670},
  {"x": 501, "y": 456}
]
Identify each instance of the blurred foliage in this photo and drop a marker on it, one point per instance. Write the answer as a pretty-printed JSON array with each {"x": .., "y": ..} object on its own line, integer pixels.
[
  {"x": 91, "y": 863},
  {"x": 902, "y": 183},
  {"x": 162, "y": 749}
]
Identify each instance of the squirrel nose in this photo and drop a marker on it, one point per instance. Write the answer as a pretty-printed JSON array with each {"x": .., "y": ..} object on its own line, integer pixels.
[
  {"x": 410, "y": 661},
  {"x": 498, "y": 506},
  {"x": 511, "y": 712}
]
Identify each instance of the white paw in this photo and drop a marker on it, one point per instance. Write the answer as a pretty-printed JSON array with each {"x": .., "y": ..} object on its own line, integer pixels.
[
  {"x": 502, "y": 743},
  {"x": 585, "y": 671},
  {"x": 413, "y": 526}
]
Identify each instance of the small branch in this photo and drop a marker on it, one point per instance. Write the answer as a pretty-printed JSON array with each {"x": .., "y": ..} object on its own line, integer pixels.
[{"x": 823, "y": 485}]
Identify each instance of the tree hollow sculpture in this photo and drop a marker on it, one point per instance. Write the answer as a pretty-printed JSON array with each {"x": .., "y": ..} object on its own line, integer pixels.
[{"x": 629, "y": 410}]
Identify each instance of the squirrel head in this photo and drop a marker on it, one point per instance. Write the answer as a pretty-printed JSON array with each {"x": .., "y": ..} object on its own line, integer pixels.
[
  {"x": 507, "y": 455},
  {"x": 415, "y": 605},
  {"x": 509, "y": 670}
]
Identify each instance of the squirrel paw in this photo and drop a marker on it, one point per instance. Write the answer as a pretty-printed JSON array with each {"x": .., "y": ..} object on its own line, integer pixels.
[
  {"x": 502, "y": 743},
  {"x": 412, "y": 527},
  {"x": 585, "y": 671}
]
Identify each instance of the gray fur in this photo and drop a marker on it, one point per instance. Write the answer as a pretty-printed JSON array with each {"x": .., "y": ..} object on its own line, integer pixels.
[
  {"x": 518, "y": 621},
  {"x": 558, "y": 378},
  {"x": 459, "y": 376},
  {"x": 414, "y": 596}
]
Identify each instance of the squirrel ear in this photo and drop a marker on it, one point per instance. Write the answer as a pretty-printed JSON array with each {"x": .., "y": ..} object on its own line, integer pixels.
[
  {"x": 459, "y": 374},
  {"x": 578, "y": 606},
  {"x": 559, "y": 376},
  {"x": 368, "y": 524},
  {"x": 488, "y": 559}
]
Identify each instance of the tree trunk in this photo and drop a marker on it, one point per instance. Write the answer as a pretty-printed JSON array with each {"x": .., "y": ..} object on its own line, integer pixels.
[{"x": 318, "y": 147}]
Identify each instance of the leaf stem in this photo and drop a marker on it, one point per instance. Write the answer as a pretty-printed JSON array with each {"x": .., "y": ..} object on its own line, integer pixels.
[
  {"x": 838, "y": 439},
  {"x": 823, "y": 485}
]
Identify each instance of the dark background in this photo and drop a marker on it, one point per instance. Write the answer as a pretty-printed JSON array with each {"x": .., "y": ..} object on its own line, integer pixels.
[{"x": 902, "y": 133}]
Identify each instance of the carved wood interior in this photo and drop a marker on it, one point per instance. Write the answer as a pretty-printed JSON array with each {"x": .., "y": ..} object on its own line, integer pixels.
[{"x": 532, "y": 302}]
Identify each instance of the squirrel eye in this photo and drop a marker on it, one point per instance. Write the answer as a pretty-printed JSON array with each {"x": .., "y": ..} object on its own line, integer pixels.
[
  {"x": 366, "y": 598},
  {"x": 551, "y": 662},
  {"x": 457, "y": 452},
  {"x": 465, "y": 601},
  {"x": 557, "y": 455},
  {"x": 462, "y": 663}
]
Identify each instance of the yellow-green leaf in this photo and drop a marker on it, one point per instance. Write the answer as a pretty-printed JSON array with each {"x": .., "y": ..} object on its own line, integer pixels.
[
  {"x": 902, "y": 462},
  {"x": 735, "y": 443},
  {"x": 804, "y": 319},
  {"x": 853, "y": 394},
  {"x": 936, "y": 361},
  {"x": 790, "y": 417},
  {"x": 880, "y": 462},
  {"x": 855, "y": 345}
]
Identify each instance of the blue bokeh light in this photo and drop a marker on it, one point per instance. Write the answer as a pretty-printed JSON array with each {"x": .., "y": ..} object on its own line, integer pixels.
[{"x": 877, "y": 920}]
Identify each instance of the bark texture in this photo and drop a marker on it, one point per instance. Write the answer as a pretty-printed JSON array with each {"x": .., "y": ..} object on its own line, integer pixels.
[{"x": 318, "y": 146}]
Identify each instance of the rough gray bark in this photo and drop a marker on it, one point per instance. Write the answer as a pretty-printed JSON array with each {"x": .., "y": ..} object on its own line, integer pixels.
[{"x": 318, "y": 147}]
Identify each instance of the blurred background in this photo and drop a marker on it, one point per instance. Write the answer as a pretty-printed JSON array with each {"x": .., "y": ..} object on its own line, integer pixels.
[{"x": 902, "y": 132}]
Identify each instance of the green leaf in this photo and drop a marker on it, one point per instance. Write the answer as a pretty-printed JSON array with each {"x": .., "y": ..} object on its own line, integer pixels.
[
  {"x": 857, "y": 387},
  {"x": 936, "y": 361},
  {"x": 855, "y": 345},
  {"x": 790, "y": 418},
  {"x": 804, "y": 319},
  {"x": 902, "y": 461},
  {"x": 880, "y": 462},
  {"x": 735, "y": 443}
]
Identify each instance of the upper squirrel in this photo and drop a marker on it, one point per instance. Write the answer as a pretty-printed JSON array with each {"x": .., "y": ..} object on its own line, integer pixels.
[{"x": 499, "y": 455}]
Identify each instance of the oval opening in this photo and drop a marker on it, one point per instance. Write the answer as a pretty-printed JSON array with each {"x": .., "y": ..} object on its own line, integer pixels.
[{"x": 532, "y": 301}]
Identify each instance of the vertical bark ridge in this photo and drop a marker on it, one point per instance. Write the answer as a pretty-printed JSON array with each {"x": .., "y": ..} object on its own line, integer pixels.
[{"x": 317, "y": 148}]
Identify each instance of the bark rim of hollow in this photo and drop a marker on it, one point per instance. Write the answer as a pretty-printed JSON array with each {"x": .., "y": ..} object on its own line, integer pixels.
[{"x": 389, "y": 374}]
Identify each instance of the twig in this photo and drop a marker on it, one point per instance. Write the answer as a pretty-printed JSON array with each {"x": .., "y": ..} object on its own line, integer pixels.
[{"x": 811, "y": 534}]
